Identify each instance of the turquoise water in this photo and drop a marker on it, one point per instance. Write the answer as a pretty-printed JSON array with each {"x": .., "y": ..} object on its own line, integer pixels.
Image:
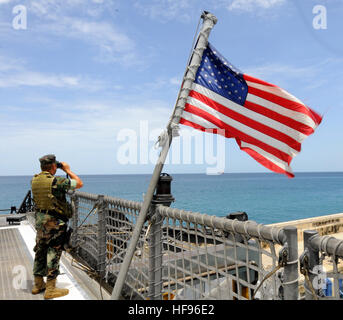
[{"x": 266, "y": 197}]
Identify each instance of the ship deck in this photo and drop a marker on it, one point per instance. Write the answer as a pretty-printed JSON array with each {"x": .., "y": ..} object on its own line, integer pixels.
[
  {"x": 16, "y": 260},
  {"x": 16, "y": 263}
]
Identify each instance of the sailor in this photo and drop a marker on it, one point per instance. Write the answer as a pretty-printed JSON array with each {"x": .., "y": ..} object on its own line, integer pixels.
[{"x": 52, "y": 212}]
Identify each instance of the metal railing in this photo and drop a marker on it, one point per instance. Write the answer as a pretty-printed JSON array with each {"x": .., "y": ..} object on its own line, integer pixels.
[
  {"x": 182, "y": 254},
  {"x": 321, "y": 263},
  {"x": 189, "y": 255}
]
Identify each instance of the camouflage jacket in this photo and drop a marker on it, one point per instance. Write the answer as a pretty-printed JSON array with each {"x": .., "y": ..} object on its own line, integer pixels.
[{"x": 59, "y": 188}]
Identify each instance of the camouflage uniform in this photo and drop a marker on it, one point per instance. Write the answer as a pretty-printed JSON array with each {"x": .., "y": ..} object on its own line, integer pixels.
[{"x": 51, "y": 230}]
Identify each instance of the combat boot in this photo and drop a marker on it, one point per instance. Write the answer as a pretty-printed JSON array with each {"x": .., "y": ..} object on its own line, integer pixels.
[
  {"x": 39, "y": 285},
  {"x": 52, "y": 292}
]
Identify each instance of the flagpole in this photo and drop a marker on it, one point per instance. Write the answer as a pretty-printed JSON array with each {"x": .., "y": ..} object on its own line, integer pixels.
[{"x": 165, "y": 140}]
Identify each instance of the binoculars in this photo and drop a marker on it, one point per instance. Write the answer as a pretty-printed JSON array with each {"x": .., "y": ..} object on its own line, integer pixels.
[{"x": 59, "y": 165}]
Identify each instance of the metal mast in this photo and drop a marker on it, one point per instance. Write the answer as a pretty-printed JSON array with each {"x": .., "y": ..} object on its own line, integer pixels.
[{"x": 165, "y": 140}]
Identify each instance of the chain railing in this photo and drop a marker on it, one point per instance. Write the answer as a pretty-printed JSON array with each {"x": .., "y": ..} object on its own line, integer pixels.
[
  {"x": 182, "y": 254},
  {"x": 321, "y": 264},
  {"x": 102, "y": 230},
  {"x": 86, "y": 223},
  {"x": 207, "y": 257},
  {"x": 120, "y": 221},
  {"x": 189, "y": 255}
]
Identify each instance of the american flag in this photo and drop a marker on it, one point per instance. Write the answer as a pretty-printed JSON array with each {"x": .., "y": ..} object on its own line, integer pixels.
[{"x": 267, "y": 122}]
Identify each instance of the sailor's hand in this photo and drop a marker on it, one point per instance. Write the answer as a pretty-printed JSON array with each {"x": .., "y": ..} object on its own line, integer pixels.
[
  {"x": 65, "y": 166},
  {"x": 72, "y": 175}
]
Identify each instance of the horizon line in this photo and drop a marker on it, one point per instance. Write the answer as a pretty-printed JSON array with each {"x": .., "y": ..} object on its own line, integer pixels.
[{"x": 178, "y": 173}]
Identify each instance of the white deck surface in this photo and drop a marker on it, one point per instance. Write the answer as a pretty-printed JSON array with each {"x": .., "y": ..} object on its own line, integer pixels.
[{"x": 64, "y": 280}]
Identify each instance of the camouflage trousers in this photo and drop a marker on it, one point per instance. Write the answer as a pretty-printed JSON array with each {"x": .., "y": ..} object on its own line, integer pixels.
[{"x": 48, "y": 248}]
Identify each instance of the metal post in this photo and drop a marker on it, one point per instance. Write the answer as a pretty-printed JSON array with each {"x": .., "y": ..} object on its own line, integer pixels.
[
  {"x": 313, "y": 260},
  {"x": 209, "y": 22},
  {"x": 291, "y": 291},
  {"x": 155, "y": 256},
  {"x": 163, "y": 197},
  {"x": 152, "y": 254},
  {"x": 157, "y": 233},
  {"x": 101, "y": 235},
  {"x": 75, "y": 218}
]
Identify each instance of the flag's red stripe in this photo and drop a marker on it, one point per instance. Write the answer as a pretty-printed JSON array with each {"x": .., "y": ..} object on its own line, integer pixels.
[
  {"x": 247, "y": 121},
  {"x": 259, "y": 158},
  {"x": 265, "y": 162},
  {"x": 291, "y": 105},
  {"x": 318, "y": 117},
  {"x": 238, "y": 134},
  {"x": 192, "y": 124},
  {"x": 299, "y": 126},
  {"x": 252, "y": 79},
  {"x": 208, "y": 130}
]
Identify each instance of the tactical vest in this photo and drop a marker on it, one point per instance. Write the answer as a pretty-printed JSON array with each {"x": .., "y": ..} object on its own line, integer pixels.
[{"x": 43, "y": 198}]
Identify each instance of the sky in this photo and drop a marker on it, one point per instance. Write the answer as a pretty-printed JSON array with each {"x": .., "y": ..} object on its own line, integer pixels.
[{"x": 86, "y": 79}]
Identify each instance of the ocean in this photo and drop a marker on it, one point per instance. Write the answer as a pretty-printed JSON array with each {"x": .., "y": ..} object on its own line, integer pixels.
[{"x": 265, "y": 197}]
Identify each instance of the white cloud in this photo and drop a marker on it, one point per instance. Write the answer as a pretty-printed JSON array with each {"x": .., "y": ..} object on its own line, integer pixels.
[
  {"x": 55, "y": 6},
  {"x": 81, "y": 20},
  {"x": 307, "y": 76},
  {"x": 15, "y": 74},
  {"x": 117, "y": 87},
  {"x": 7, "y": 64},
  {"x": 166, "y": 10},
  {"x": 102, "y": 34},
  {"x": 78, "y": 128},
  {"x": 183, "y": 10},
  {"x": 28, "y": 78},
  {"x": 73, "y": 7},
  {"x": 113, "y": 44},
  {"x": 307, "y": 72},
  {"x": 268, "y": 70},
  {"x": 5, "y": 1},
  {"x": 175, "y": 81},
  {"x": 250, "y": 5}
]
